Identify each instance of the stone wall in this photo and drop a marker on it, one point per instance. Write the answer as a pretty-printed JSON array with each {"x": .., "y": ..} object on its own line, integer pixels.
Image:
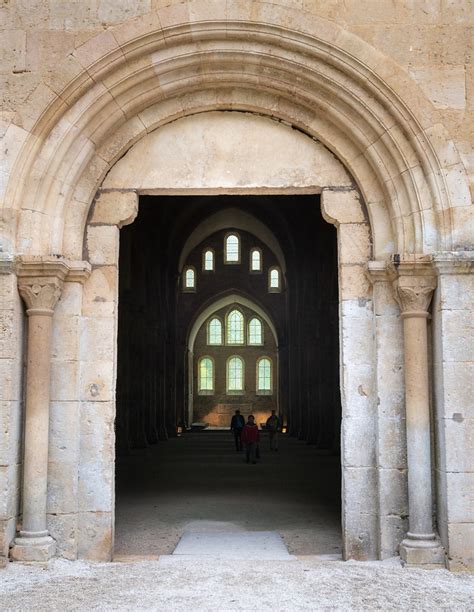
[{"x": 431, "y": 39}]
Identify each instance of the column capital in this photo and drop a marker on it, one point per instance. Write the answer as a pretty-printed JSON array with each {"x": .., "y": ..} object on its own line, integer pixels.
[
  {"x": 40, "y": 280},
  {"x": 414, "y": 283}
]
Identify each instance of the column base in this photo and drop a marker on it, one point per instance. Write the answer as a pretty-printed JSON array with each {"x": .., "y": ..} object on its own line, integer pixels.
[
  {"x": 427, "y": 554},
  {"x": 33, "y": 548}
]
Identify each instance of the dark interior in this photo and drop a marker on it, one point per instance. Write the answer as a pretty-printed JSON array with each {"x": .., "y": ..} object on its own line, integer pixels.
[{"x": 155, "y": 316}]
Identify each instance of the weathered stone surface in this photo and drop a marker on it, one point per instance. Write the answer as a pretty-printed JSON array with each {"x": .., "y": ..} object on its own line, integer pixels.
[
  {"x": 63, "y": 528},
  {"x": 95, "y": 536},
  {"x": 461, "y": 556},
  {"x": 209, "y": 150},
  {"x": 101, "y": 292},
  {"x": 102, "y": 245}
]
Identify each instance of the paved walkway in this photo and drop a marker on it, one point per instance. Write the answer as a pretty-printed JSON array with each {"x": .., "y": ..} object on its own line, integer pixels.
[{"x": 200, "y": 584}]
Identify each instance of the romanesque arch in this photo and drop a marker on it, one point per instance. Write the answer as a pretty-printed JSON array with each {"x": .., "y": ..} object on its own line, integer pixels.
[{"x": 199, "y": 57}]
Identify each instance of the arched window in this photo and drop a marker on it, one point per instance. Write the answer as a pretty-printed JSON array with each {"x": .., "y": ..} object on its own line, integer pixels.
[
  {"x": 190, "y": 279},
  {"x": 235, "y": 375},
  {"x": 255, "y": 335},
  {"x": 255, "y": 260},
  {"x": 214, "y": 331},
  {"x": 235, "y": 327},
  {"x": 232, "y": 248},
  {"x": 274, "y": 280},
  {"x": 208, "y": 260},
  {"x": 264, "y": 376},
  {"x": 206, "y": 376}
]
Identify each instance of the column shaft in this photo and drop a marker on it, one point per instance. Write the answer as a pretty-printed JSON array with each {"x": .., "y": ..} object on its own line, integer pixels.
[
  {"x": 418, "y": 426},
  {"x": 35, "y": 470}
]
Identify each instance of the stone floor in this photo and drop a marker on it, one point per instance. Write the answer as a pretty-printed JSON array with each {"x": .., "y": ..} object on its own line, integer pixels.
[
  {"x": 204, "y": 584},
  {"x": 199, "y": 483}
]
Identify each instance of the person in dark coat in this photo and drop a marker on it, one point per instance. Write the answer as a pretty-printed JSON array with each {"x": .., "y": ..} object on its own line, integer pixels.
[
  {"x": 251, "y": 438},
  {"x": 236, "y": 425}
]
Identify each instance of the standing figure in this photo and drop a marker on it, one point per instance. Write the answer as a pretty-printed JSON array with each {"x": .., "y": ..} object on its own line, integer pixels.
[
  {"x": 236, "y": 425},
  {"x": 251, "y": 438},
  {"x": 273, "y": 427}
]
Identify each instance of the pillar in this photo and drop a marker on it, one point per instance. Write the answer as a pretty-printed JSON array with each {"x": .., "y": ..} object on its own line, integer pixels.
[
  {"x": 390, "y": 449},
  {"x": 414, "y": 288},
  {"x": 40, "y": 283},
  {"x": 357, "y": 373}
]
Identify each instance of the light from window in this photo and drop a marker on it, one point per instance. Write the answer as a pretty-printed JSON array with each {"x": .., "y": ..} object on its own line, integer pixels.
[
  {"x": 235, "y": 374},
  {"x": 264, "y": 374},
  {"x": 209, "y": 260},
  {"x": 190, "y": 279},
  {"x": 274, "y": 278},
  {"x": 256, "y": 260},
  {"x": 214, "y": 332},
  {"x": 235, "y": 327},
  {"x": 232, "y": 248},
  {"x": 206, "y": 374},
  {"x": 255, "y": 332}
]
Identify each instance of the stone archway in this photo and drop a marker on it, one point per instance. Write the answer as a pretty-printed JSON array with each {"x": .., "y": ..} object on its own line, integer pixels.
[{"x": 128, "y": 82}]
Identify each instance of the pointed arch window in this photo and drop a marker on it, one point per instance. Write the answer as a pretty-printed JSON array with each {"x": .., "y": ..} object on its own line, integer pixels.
[
  {"x": 235, "y": 327},
  {"x": 206, "y": 376},
  {"x": 232, "y": 249},
  {"x": 264, "y": 376},
  {"x": 255, "y": 333},
  {"x": 274, "y": 280},
  {"x": 256, "y": 260},
  {"x": 235, "y": 375},
  {"x": 189, "y": 279},
  {"x": 208, "y": 260},
  {"x": 214, "y": 331}
]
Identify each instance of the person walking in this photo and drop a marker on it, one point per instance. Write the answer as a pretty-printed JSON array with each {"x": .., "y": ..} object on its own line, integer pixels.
[
  {"x": 251, "y": 438},
  {"x": 236, "y": 425},
  {"x": 273, "y": 427}
]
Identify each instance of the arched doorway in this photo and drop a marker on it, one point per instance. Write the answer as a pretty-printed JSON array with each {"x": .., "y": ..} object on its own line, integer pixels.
[{"x": 356, "y": 107}]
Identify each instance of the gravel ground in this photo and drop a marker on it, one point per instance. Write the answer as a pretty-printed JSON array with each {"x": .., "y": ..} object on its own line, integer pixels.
[{"x": 204, "y": 584}]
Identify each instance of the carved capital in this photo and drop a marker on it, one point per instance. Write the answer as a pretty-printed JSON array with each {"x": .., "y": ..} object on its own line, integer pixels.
[
  {"x": 40, "y": 281},
  {"x": 40, "y": 294},
  {"x": 414, "y": 293},
  {"x": 415, "y": 283}
]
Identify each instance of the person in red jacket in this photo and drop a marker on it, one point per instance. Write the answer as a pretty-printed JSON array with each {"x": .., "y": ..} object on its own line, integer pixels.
[{"x": 251, "y": 438}]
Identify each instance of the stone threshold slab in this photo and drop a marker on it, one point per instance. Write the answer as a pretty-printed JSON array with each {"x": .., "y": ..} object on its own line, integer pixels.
[{"x": 256, "y": 545}]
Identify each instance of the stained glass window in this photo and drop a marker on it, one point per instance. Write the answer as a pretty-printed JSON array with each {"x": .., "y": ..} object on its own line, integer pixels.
[
  {"x": 255, "y": 260},
  {"x": 214, "y": 331},
  {"x": 232, "y": 248},
  {"x": 235, "y": 374},
  {"x": 190, "y": 279},
  {"x": 274, "y": 278},
  {"x": 209, "y": 260},
  {"x": 235, "y": 327},
  {"x": 206, "y": 374},
  {"x": 255, "y": 332},
  {"x": 264, "y": 374}
]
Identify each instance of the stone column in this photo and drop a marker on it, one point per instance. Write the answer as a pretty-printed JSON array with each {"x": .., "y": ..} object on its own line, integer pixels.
[
  {"x": 40, "y": 282},
  {"x": 414, "y": 288}
]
